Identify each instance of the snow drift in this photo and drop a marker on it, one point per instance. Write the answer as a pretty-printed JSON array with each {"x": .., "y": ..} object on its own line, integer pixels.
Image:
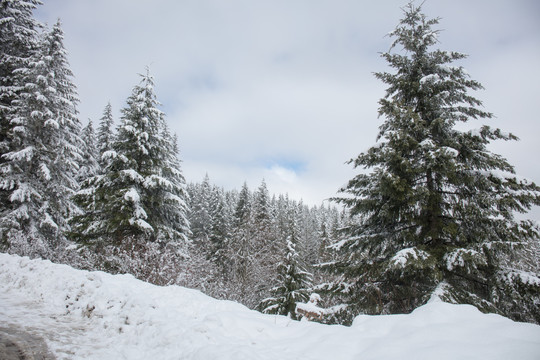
[{"x": 94, "y": 315}]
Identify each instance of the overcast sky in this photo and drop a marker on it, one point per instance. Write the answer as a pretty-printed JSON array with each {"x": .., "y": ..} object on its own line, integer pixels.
[{"x": 284, "y": 89}]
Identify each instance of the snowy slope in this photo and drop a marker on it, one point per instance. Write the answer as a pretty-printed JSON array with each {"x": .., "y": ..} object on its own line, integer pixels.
[{"x": 94, "y": 315}]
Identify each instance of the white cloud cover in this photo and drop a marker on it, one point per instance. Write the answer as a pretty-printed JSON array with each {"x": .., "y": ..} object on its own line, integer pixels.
[{"x": 284, "y": 90}]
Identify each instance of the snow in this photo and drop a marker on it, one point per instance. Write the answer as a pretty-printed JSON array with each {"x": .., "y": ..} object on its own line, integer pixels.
[
  {"x": 132, "y": 174},
  {"x": 48, "y": 221},
  {"x": 44, "y": 170},
  {"x": 456, "y": 258},
  {"x": 109, "y": 155},
  {"x": 36, "y": 114},
  {"x": 25, "y": 154},
  {"x": 153, "y": 181},
  {"x": 451, "y": 151},
  {"x": 311, "y": 311},
  {"x": 132, "y": 195},
  {"x": 94, "y": 315},
  {"x": 42, "y": 98},
  {"x": 427, "y": 143},
  {"x": 23, "y": 194},
  {"x": 403, "y": 256},
  {"x": 52, "y": 123},
  {"x": 525, "y": 277},
  {"x": 431, "y": 78},
  {"x": 141, "y": 224}
]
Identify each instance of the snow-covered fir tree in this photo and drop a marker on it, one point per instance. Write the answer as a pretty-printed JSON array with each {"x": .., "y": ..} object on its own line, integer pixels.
[
  {"x": 293, "y": 281},
  {"x": 200, "y": 215},
  {"x": 105, "y": 134},
  {"x": 266, "y": 247},
  {"x": 40, "y": 168},
  {"x": 174, "y": 225},
  {"x": 209, "y": 267},
  {"x": 435, "y": 213},
  {"x": 220, "y": 233},
  {"x": 19, "y": 40},
  {"x": 262, "y": 211},
  {"x": 141, "y": 196},
  {"x": 241, "y": 248},
  {"x": 89, "y": 165},
  {"x": 310, "y": 238}
]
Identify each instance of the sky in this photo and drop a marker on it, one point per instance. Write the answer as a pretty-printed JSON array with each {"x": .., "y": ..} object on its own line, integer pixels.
[{"x": 283, "y": 90}]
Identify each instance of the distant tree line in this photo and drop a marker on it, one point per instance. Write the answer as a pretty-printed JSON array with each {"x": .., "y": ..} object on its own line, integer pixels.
[{"x": 244, "y": 241}]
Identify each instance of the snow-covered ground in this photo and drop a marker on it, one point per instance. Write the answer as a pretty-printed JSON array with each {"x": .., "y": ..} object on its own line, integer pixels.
[{"x": 94, "y": 315}]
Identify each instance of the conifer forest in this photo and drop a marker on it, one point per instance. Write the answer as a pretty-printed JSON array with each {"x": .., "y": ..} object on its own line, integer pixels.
[{"x": 431, "y": 210}]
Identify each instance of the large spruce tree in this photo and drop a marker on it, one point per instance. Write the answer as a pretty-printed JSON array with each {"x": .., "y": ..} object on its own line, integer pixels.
[
  {"x": 19, "y": 40},
  {"x": 39, "y": 170},
  {"x": 434, "y": 213},
  {"x": 141, "y": 196}
]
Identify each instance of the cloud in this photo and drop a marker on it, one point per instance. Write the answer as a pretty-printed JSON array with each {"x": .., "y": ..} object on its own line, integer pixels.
[
  {"x": 283, "y": 174},
  {"x": 245, "y": 83}
]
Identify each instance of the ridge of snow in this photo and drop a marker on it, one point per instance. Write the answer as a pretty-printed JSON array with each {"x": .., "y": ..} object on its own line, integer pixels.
[{"x": 95, "y": 315}]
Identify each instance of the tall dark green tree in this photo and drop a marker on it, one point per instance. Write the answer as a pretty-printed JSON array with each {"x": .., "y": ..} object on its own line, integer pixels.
[
  {"x": 39, "y": 171},
  {"x": 141, "y": 196},
  {"x": 435, "y": 211},
  {"x": 19, "y": 41}
]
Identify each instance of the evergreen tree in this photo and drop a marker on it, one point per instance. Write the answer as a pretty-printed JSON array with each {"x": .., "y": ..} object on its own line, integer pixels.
[
  {"x": 89, "y": 165},
  {"x": 105, "y": 135},
  {"x": 141, "y": 196},
  {"x": 174, "y": 225},
  {"x": 436, "y": 212},
  {"x": 266, "y": 250},
  {"x": 220, "y": 232},
  {"x": 293, "y": 281},
  {"x": 310, "y": 240},
  {"x": 19, "y": 41},
  {"x": 39, "y": 171},
  {"x": 200, "y": 217},
  {"x": 262, "y": 211},
  {"x": 241, "y": 248},
  {"x": 326, "y": 239},
  {"x": 281, "y": 217}
]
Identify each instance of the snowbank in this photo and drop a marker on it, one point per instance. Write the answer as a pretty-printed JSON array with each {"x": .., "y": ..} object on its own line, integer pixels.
[{"x": 94, "y": 315}]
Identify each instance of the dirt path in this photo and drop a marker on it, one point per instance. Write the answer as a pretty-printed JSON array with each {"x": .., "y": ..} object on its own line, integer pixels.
[
  {"x": 16, "y": 344},
  {"x": 30, "y": 331}
]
